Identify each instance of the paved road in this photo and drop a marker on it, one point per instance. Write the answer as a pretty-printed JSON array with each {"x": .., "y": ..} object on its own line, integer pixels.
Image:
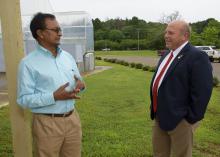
[{"x": 153, "y": 62}]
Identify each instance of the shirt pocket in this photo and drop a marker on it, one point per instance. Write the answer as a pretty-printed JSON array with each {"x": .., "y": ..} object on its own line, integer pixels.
[{"x": 68, "y": 74}]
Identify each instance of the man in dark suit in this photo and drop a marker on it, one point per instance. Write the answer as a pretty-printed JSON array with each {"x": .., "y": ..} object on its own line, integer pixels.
[{"x": 180, "y": 91}]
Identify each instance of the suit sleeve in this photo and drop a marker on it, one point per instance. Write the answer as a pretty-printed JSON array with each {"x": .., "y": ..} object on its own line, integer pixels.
[{"x": 200, "y": 87}]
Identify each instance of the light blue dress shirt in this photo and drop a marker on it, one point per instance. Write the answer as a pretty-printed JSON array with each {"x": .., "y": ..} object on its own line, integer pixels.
[{"x": 40, "y": 74}]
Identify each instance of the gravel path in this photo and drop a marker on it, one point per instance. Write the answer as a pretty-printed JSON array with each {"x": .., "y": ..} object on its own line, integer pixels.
[{"x": 153, "y": 62}]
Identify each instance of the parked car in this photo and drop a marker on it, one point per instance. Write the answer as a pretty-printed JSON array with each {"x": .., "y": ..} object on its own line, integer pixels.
[
  {"x": 211, "y": 52},
  {"x": 106, "y": 49},
  {"x": 216, "y": 56}
]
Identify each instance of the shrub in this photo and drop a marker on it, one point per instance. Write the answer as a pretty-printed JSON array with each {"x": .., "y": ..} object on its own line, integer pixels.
[
  {"x": 118, "y": 61},
  {"x": 146, "y": 68},
  {"x": 112, "y": 60},
  {"x": 139, "y": 66},
  {"x": 215, "y": 81},
  {"x": 126, "y": 64},
  {"x": 132, "y": 65},
  {"x": 122, "y": 62},
  {"x": 98, "y": 58},
  {"x": 152, "y": 69},
  {"x": 105, "y": 59}
]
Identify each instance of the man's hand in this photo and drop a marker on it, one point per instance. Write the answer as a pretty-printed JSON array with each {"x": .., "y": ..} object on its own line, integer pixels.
[
  {"x": 62, "y": 94},
  {"x": 79, "y": 85}
]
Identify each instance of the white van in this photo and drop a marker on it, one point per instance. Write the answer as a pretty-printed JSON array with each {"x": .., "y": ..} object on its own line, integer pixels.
[{"x": 211, "y": 52}]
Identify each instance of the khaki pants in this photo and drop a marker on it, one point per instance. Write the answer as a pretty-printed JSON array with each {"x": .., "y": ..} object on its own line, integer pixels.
[
  {"x": 178, "y": 142},
  {"x": 57, "y": 136}
]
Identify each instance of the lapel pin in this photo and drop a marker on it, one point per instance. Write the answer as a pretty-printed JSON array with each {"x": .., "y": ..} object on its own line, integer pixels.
[{"x": 180, "y": 56}]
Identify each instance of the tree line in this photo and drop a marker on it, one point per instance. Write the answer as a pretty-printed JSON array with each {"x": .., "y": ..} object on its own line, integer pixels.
[{"x": 135, "y": 33}]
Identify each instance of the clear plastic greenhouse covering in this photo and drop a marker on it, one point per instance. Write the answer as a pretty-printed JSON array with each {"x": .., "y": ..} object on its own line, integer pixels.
[{"x": 77, "y": 30}]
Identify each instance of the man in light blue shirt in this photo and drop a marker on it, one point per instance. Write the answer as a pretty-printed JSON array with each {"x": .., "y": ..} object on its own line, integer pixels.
[{"x": 48, "y": 83}]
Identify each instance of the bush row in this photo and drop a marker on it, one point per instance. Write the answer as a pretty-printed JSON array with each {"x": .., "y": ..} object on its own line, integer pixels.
[
  {"x": 132, "y": 65},
  {"x": 143, "y": 67}
]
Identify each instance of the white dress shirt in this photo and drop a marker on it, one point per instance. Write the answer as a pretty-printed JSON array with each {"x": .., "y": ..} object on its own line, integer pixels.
[{"x": 175, "y": 53}]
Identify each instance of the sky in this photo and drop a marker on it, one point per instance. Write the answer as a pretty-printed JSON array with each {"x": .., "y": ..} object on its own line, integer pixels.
[{"x": 149, "y": 10}]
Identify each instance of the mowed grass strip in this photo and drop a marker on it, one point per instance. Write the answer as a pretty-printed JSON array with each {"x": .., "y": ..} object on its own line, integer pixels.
[{"x": 114, "y": 112}]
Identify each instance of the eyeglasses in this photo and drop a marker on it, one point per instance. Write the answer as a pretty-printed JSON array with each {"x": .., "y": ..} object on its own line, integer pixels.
[{"x": 56, "y": 30}]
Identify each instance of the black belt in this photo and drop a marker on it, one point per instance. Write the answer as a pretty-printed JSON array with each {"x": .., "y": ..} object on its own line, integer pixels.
[{"x": 67, "y": 114}]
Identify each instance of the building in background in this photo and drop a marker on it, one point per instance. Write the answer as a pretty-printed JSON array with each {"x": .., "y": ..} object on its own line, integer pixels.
[
  {"x": 77, "y": 39},
  {"x": 77, "y": 30}
]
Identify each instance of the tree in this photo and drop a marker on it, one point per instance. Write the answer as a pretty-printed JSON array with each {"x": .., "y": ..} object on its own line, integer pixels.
[
  {"x": 134, "y": 20},
  {"x": 210, "y": 35},
  {"x": 169, "y": 18},
  {"x": 100, "y": 44},
  {"x": 196, "y": 39},
  {"x": 128, "y": 32},
  {"x": 157, "y": 42},
  {"x": 100, "y": 35},
  {"x": 97, "y": 24},
  {"x": 128, "y": 44},
  {"x": 125, "y": 34},
  {"x": 116, "y": 35}
]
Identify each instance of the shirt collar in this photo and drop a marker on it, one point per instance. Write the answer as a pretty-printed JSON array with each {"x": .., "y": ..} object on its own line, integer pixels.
[
  {"x": 177, "y": 51},
  {"x": 46, "y": 51}
]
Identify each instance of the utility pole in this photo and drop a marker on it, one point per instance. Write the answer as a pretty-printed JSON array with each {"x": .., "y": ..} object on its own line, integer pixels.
[{"x": 10, "y": 16}]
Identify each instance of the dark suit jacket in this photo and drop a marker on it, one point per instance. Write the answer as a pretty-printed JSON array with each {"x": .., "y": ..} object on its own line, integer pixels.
[{"x": 185, "y": 90}]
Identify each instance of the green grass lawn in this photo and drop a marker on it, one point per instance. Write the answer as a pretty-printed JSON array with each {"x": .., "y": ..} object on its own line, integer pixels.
[
  {"x": 5, "y": 133},
  {"x": 149, "y": 53},
  {"x": 114, "y": 112}
]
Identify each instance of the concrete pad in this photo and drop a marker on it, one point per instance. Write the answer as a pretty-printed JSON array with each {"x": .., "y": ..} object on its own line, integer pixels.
[{"x": 98, "y": 69}]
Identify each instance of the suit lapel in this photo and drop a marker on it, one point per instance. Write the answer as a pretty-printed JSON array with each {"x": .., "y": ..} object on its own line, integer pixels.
[
  {"x": 158, "y": 65},
  {"x": 160, "y": 61},
  {"x": 177, "y": 59}
]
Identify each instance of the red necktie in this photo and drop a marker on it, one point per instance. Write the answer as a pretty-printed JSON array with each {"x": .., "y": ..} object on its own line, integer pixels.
[{"x": 156, "y": 83}]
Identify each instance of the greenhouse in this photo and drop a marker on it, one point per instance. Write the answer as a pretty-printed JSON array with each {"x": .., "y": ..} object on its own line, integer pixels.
[{"x": 77, "y": 39}]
